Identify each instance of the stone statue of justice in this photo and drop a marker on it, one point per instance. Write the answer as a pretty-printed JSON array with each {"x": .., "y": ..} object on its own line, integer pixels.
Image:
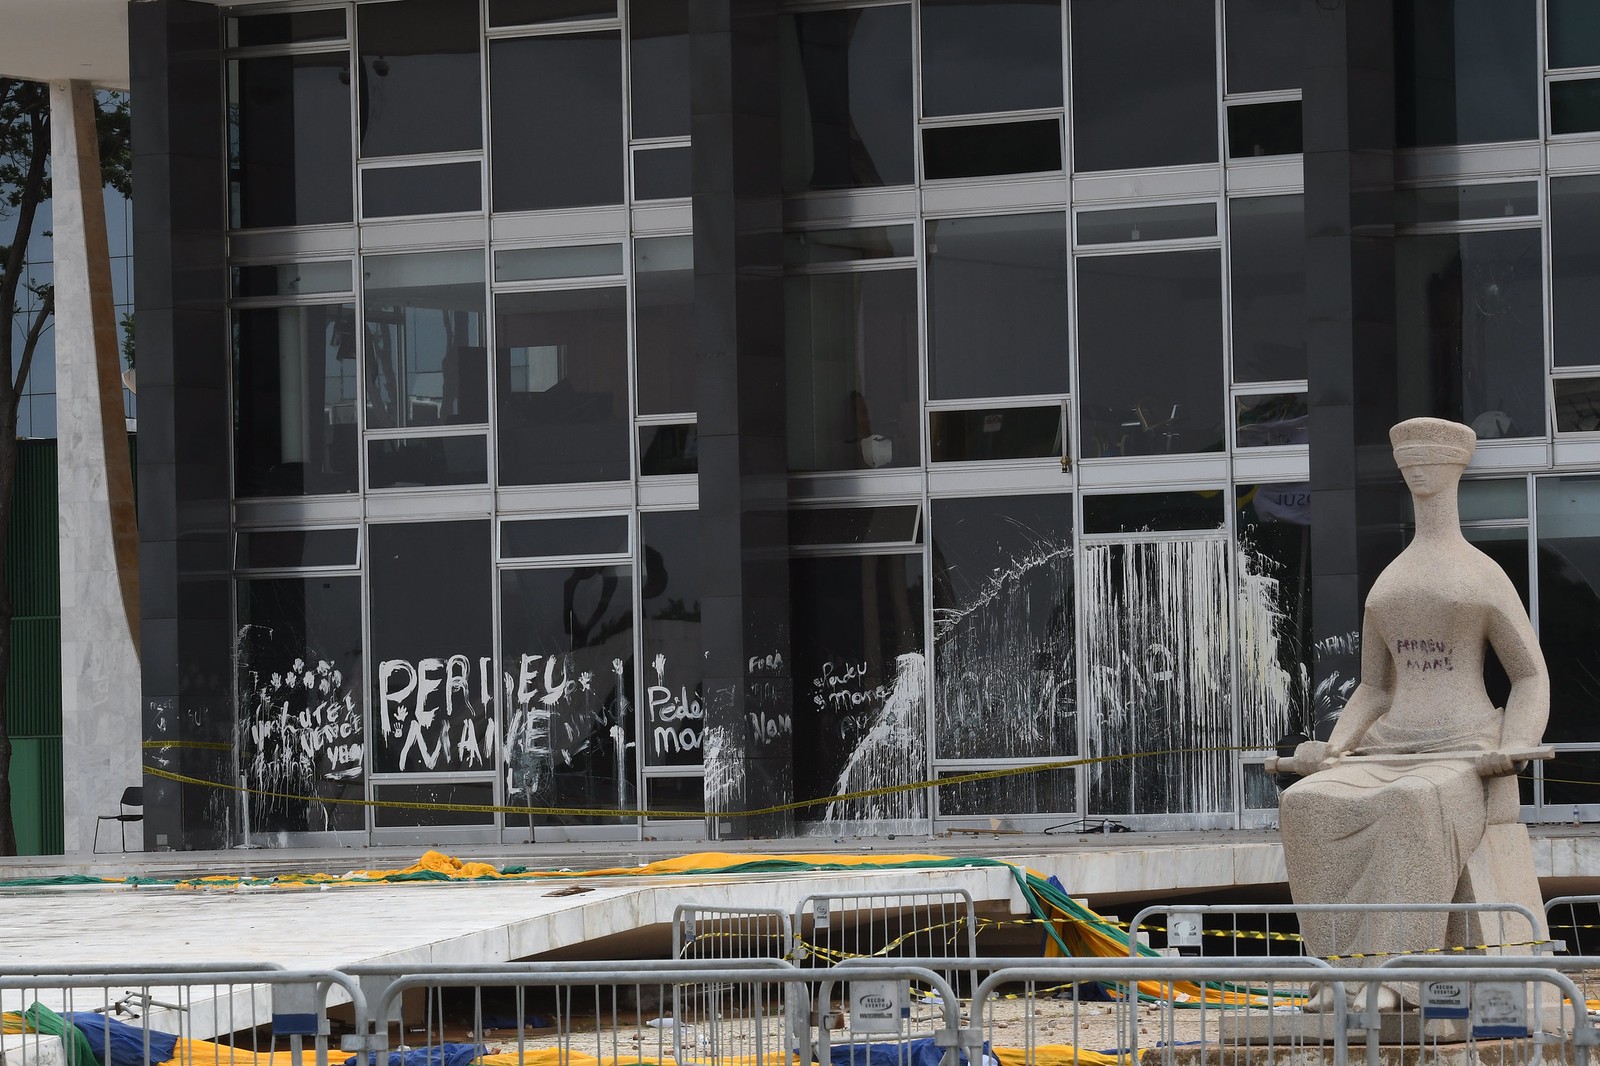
[{"x": 1413, "y": 797}]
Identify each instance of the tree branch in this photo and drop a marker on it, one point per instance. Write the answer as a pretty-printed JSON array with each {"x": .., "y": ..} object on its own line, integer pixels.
[{"x": 30, "y": 343}]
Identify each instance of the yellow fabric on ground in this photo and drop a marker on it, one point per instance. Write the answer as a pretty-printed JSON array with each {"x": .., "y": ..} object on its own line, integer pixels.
[
  {"x": 1055, "y": 1055},
  {"x": 206, "y": 1052}
]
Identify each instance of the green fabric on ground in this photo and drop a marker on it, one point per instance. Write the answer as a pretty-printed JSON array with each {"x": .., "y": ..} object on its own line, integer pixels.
[{"x": 44, "y": 1020}]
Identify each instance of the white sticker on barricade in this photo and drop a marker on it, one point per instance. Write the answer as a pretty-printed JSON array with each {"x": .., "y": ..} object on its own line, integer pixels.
[
  {"x": 1500, "y": 1009},
  {"x": 1446, "y": 999},
  {"x": 875, "y": 1006},
  {"x": 1183, "y": 929}
]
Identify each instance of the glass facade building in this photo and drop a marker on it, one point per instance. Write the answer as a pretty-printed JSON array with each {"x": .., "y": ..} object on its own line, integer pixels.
[{"x": 569, "y": 415}]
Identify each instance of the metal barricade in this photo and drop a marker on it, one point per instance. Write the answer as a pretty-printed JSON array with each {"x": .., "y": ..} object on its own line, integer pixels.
[
  {"x": 831, "y": 928},
  {"x": 1576, "y": 921},
  {"x": 730, "y": 933}
]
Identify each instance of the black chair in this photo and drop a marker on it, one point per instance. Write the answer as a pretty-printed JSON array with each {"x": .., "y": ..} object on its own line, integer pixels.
[{"x": 132, "y": 796}]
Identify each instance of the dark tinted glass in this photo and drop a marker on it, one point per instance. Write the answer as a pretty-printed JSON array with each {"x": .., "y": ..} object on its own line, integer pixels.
[
  {"x": 1265, "y": 421},
  {"x": 562, "y": 361},
  {"x": 1470, "y": 324},
  {"x": 848, "y": 245},
  {"x": 1150, "y": 353},
  {"x": 1449, "y": 203},
  {"x": 1575, "y": 269},
  {"x": 289, "y": 142},
  {"x": 658, "y": 36},
  {"x": 860, "y": 683},
  {"x": 997, "y": 306},
  {"x": 292, "y": 279},
  {"x": 991, "y": 148},
  {"x": 532, "y": 12},
  {"x": 435, "y": 190},
  {"x": 1144, "y": 83},
  {"x": 1267, "y": 238},
  {"x": 433, "y": 683},
  {"x": 1572, "y": 28},
  {"x": 419, "y": 77},
  {"x": 294, "y": 377},
  {"x": 1575, "y": 106},
  {"x": 290, "y": 28},
  {"x": 853, "y": 525},
  {"x": 1277, "y": 653},
  {"x": 567, "y": 156},
  {"x": 1147, "y": 224},
  {"x": 436, "y": 803},
  {"x": 847, "y": 119},
  {"x": 666, "y": 450},
  {"x": 663, "y": 300},
  {"x": 425, "y": 356},
  {"x": 675, "y": 794},
  {"x": 1045, "y": 792},
  {"x": 673, "y": 658},
  {"x": 990, "y": 55},
  {"x": 852, "y": 370},
  {"x": 662, "y": 174},
  {"x": 567, "y": 642},
  {"x": 1577, "y": 405},
  {"x": 1154, "y": 512},
  {"x": 302, "y": 724},
  {"x": 1569, "y": 604},
  {"x": 1264, "y": 129},
  {"x": 571, "y": 261},
  {"x": 1265, "y": 45},
  {"x": 1003, "y": 647},
  {"x": 418, "y": 462},
  {"x": 1466, "y": 71},
  {"x": 281, "y": 548},
  {"x": 543, "y": 538},
  {"x": 999, "y": 433}
]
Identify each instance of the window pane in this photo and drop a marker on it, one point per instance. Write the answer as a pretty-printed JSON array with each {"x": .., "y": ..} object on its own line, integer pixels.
[
  {"x": 997, "y": 306},
  {"x": 293, "y": 28},
  {"x": 1150, "y": 353},
  {"x": 1153, "y": 512},
  {"x": 1494, "y": 499},
  {"x": 861, "y": 684},
  {"x": 425, "y": 358},
  {"x": 1470, "y": 328},
  {"x": 1264, "y": 129},
  {"x": 1575, "y": 106},
  {"x": 271, "y": 549},
  {"x": 435, "y": 190},
  {"x": 294, "y": 379},
  {"x": 1573, "y": 31},
  {"x": 562, "y": 361},
  {"x": 1003, "y": 646},
  {"x": 1050, "y": 792},
  {"x": 541, "y": 264},
  {"x": 673, "y": 657},
  {"x": 823, "y": 526},
  {"x": 289, "y": 145},
  {"x": 1144, "y": 83},
  {"x": 658, "y": 35},
  {"x": 1276, "y": 654},
  {"x": 1569, "y": 603},
  {"x": 667, "y": 450},
  {"x": 432, "y": 642},
  {"x": 419, "y": 462},
  {"x": 1577, "y": 405},
  {"x": 419, "y": 77},
  {"x": 552, "y": 537},
  {"x": 847, "y": 120},
  {"x": 662, "y": 173},
  {"x": 1267, "y": 238},
  {"x": 302, "y": 728},
  {"x": 1575, "y": 269},
  {"x": 1450, "y": 203},
  {"x": 663, "y": 300},
  {"x": 532, "y": 12},
  {"x": 847, "y": 245},
  {"x": 1270, "y": 420},
  {"x": 668, "y": 794},
  {"x": 1265, "y": 45},
  {"x": 1466, "y": 71},
  {"x": 567, "y": 643},
  {"x": 292, "y": 279},
  {"x": 567, "y": 156},
  {"x": 1147, "y": 224},
  {"x": 998, "y": 433},
  {"x": 991, "y": 148},
  {"x": 852, "y": 370},
  {"x": 990, "y": 55},
  {"x": 391, "y": 812}
]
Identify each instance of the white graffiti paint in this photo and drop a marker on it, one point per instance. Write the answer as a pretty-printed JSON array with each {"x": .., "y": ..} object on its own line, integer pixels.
[
  {"x": 893, "y": 751},
  {"x": 1271, "y": 699}
]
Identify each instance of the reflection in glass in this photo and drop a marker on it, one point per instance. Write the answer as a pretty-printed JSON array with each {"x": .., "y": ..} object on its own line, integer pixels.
[
  {"x": 663, "y": 308},
  {"x": 273, "y": 549},
  {"x": 301, "y": 706},
  {"x": 1276, "y": 646},
  {"x": 824, "y": 526},
  {"x": 991, "y": 148},
  {"x": 1572, "y": 33},
  {"x": 442, "y": 189},
  {"x": 675, "y": 793},
  {"x": 1153, "y": 512},
  {"x": 1003, "y": 647},
  {"x": 567, "y": 642},
  {"x": 1575, "y": 106},
  {"x": 425, "y": 356},
  {"x": 1051, "y": 792},
  {"x": 995, "y": 433},
  {"x": 566, "y": 156},
  {"x": 846, "y": 95},
  {"x": 1150, "y": 353},
  {"x": 980, "y": 56},
  {"x": 541, "y": 264},
  {"x": 674, "y": 704},
  {"x": 1265, "y": 421},
  {"x": 1449, "y": 203},
  {"x": 1265, "y": 44},
  {"x": 1575, "y": 269},
  {"x": 1267, "y": 256},
  {"x": 658, "y": 57},
  {"x": 1493, "y": 499},
  {"x": 450, "y": 794},
  {"x": 433, "y": 684},
  {"x": 289, "y": 140},
  {"x": 847, "y": 245},
  {"x": 1466, "y": 71},
  {"x": 1147, "y": 224},
  {"x": 1264, "y": 129},
  {"x": 533, "y": 12},
  {"x": 553, "y": 537},
  {"x": 299, "y": 27},
  {"x": 562, "y": 366},
  {"x": 861, "y": 683},
  {"x": 421, "y": 462},
  {"x": 1569, "y": 604},
  {"x": 294, "y": 375},
  {"x": 1144, "y": 84},
  {"x": 292, "y": 279},
  {"x": 1571, "y": 778},
  {"x": 997, "y": 306},
  {"x": 662, "y": 173},
  {"x": 852, "y": 370},
  {"x": 669, "y": 449},
  {"x": 1577, "y": 405},
  {"x": 1470, "y": 328},
  {"x": 419, "y": 77}
]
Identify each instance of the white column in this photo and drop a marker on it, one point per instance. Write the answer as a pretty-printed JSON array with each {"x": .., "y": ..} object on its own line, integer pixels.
[{"x": 99, "y": 536}]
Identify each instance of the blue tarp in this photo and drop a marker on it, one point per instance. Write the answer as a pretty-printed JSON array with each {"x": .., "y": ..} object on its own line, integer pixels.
[
  {"x": 438, "y": 1055},
  {"x": 127, "y": 1041},
  {"x": 923, "y": 1052}
]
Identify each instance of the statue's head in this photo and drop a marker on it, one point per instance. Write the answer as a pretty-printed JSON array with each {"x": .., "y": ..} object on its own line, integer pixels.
[{"x": 1431, "y": 452}]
